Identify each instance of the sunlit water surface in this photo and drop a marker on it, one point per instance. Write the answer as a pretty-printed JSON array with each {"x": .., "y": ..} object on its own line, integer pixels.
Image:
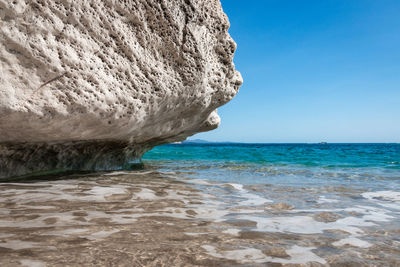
[{"x": 214, "y": 204}]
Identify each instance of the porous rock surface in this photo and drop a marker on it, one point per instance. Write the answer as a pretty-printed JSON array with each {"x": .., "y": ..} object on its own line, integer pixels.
[{"x": 95, "y": 84}]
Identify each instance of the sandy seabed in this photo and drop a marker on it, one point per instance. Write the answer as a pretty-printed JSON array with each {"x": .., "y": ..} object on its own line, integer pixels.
[{"x": 152, "y": 218}]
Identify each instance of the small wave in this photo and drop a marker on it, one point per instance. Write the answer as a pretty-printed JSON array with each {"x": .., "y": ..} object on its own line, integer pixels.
[
  {"x": 389, "y": 199},
  {"x": 251, "y": 198},
  {"x": 238, "y": 187},
  {"x": 385, "y": 195},
  {"x": 115, "y": 173},
  {"x": 323, "y": 199}
]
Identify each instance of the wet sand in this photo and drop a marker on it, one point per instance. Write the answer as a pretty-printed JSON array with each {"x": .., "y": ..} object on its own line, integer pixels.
[{"x": 151, "y": 218}]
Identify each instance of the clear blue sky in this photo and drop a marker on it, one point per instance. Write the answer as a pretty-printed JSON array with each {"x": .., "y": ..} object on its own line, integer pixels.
[{"x": 314, "y": 70}]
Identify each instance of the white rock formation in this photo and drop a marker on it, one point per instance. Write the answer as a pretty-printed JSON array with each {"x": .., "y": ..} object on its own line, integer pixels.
[{"x": 95, "y": 84}]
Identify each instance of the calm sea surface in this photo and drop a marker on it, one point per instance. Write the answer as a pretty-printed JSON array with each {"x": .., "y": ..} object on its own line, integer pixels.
[
  {"x": 369, "y": 166},
  {"x": 344, "y": 197},
  {"x": 213, "y": 205}
]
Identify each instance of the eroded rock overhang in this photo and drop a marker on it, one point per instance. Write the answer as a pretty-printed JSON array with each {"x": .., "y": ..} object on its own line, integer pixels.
[{"x": 93, "y": 85}]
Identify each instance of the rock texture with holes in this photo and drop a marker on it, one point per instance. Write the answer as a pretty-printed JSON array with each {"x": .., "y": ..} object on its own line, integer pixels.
[{"x": 86, "y": 75}]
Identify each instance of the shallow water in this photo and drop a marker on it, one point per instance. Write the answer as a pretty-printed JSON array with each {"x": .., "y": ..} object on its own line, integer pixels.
[{"x": 213, "y": 205}]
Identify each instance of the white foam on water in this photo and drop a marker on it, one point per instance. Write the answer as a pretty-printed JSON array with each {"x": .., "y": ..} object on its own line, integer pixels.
[
  {"x": 298, "y": 255},
  {"x": 389, "y": 199},
  {"x": 100, "y": 192},
  {"x": 5, "y": 235},
  {"x": 352, "y": 241},
  {"x": 68, "y": 219},
  {"x": 123, "y": 218},
  {"x": 245, "y": 255},
  {"x": 369, "y": 216},
  {"x": 195, "y": 234},
  {"x": 354, "y": 221},
  {"x": 232, "y": 231},
  {"x": 376, "y": 214},
  {"x": 32, "y": 263},
  {"x": 146, "y": 194},
  {"x": 115, "y": 173},
  {"x": 22, "y": 196},
  {"x": 65, "y": 191},
  {"x": 307, "y": 224},
  {"x": 31, "y": 207},
  {"x": 210, "y": 213},
  {"x": 143, "y": 172},
  {"x": 323, "y": 199},
  {"x": 168, "y": 173},
  {"x": 64, "y": 219},
  {"x": 386, "y": 195},
  {"x": 238, "y": 187},
  {"x": 204, "y": 213},
  {"x": 66, "y": 232},
  {"x": 19, "y": 244},
  {"x": 22, "y": 184},
  {"x": 199, "y": 182},
  {"x": 294, "y": 224},
  {"x": 100, "y": 234},
  {"x": 252, "y": 199},
  {"x": 246, "y": 210}
]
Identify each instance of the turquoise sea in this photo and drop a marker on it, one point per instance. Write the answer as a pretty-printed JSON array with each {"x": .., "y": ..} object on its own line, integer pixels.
[
  {"x": 336, "y": 204},
  {"x": 213, "y": 204},
  {"x": 369, "y": 166}
]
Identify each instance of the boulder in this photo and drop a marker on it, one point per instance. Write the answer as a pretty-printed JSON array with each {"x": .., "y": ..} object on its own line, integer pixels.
[{"x": 92, "y": 85}]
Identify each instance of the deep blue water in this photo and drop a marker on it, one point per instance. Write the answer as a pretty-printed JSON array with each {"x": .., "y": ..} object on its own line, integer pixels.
[{"x": 365, "y": 165}]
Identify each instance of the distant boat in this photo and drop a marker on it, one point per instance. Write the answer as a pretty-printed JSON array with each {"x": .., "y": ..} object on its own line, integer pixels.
[{"x": 323, "y": 143}]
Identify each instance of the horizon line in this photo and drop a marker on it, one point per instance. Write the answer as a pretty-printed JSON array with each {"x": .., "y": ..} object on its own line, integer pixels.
[{"x": 322, "y": 142}]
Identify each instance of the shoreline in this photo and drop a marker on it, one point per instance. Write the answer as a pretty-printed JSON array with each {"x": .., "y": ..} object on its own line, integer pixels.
[{"x": 150, "y": 217}]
